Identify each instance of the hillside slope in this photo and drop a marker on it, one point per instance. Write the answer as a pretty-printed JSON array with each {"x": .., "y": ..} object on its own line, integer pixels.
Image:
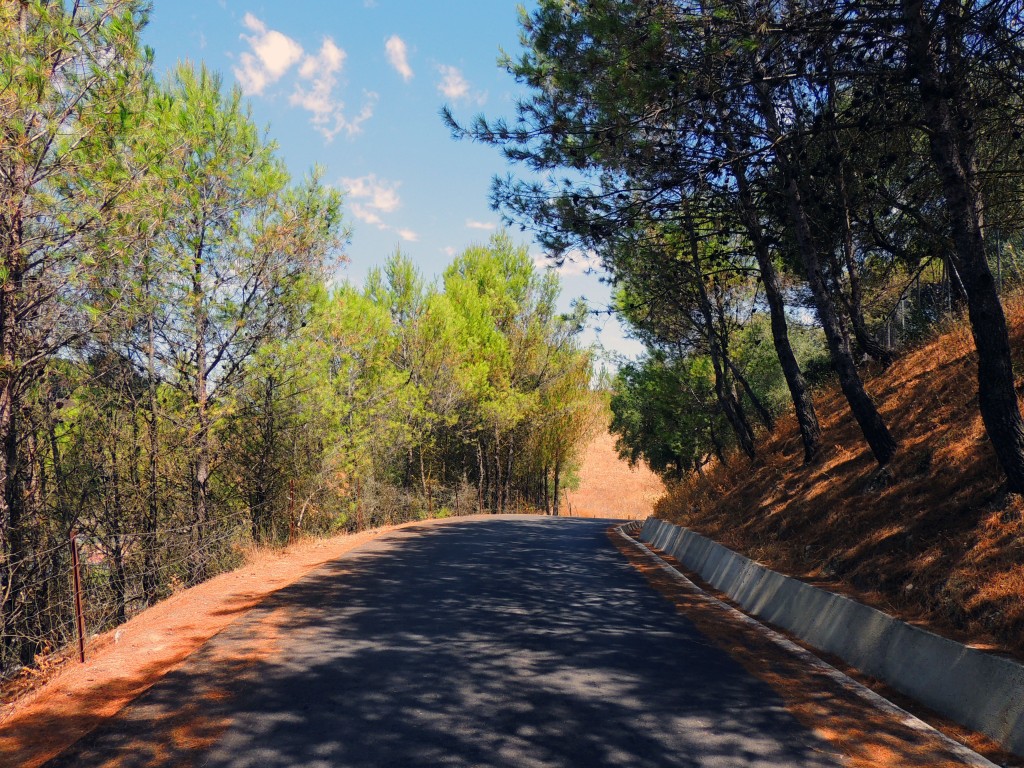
[
  {"x": 936, "y": 540},
  {"x": 609, "y": 487}
]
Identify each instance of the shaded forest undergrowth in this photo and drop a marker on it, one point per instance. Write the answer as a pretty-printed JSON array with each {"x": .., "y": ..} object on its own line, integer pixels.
[{"x": 934, "y": 538}]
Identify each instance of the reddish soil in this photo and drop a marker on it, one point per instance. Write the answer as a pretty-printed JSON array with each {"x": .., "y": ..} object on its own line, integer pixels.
[
  {"x": 124, "y": 663},
  {"x": 609, "y": 487},
  {"x": 934, "y": 540}
]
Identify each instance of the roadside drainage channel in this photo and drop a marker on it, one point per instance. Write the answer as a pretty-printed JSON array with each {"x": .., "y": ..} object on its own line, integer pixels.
[
  {"x": 976, "y": 689},
  {"x": 965, "y": 754}
]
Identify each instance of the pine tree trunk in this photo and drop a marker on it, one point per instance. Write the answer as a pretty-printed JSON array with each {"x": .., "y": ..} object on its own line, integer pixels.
[
  {"x": 425, "y": 484},
  {"x": 119, "y": 579},
  {"x": 803, "y": 405},
  {"x": 855, "y": 303},
  {"x": 716, "y": 442},
  {"x": 480, "y": 481},
  {"x": 557, "y": 489},
  {"x": 762, "y": 410},
  {"x": 876, "y": 433},
  {"x": 150, "y": 580},
  {"x": 726, "y": 395},
  {"x": 202, "y": 440},
  {"x": 12, "y": 502},
  {"x": 15, "y": 541},
  {"x": 547, "y": 491},
  {"x": 497, "y": 473},
  {"x": 508, "y": 472},
  {"x": 954, "y": 153}
]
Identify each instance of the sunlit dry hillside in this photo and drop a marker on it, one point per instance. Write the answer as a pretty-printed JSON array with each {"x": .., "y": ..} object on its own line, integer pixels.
[
  {"x": 937, "y": 540},
  {"x": 609, "y": 487}
]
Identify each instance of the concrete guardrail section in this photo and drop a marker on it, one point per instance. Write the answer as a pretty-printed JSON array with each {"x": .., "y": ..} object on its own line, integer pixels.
[{"x": 979, "y": 690}]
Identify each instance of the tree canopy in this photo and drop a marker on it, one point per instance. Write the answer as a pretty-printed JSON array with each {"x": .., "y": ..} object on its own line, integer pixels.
[
  {"x": 182, "y": 374},
  {"x": 843, "y": 159}
]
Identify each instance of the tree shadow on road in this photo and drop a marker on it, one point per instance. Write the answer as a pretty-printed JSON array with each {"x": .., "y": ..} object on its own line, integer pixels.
[{"x": 487, "y": 643}]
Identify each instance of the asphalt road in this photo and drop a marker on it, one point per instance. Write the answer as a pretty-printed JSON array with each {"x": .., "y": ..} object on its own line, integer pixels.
[{"x": 501, "y": 642}]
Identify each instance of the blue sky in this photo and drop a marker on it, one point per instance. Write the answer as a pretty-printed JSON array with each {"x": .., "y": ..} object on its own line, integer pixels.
[{"x": 355, "y": 86}]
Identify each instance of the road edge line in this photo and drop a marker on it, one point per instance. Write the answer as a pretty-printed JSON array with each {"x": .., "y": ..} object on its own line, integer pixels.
[{"x": 846, "y": 682}]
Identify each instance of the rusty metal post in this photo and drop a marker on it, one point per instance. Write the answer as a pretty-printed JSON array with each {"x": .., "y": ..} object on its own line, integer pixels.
[
  {"x": 76, "y": 571},
  {"x": 291, "y": 511},
  {"x": 359, "y": 506}
]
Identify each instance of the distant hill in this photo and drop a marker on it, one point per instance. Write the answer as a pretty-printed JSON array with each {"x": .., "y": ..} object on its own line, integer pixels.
[{"x": 609, "y": 487}]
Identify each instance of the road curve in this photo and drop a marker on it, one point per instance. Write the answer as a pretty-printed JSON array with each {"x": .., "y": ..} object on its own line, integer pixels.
[{"x": 512, "y": 641}]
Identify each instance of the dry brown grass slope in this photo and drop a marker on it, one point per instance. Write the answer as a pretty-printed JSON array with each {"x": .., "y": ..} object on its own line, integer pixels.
[
  {"x": 938, "y": 542},
  {"x": 609, "y": 487}
]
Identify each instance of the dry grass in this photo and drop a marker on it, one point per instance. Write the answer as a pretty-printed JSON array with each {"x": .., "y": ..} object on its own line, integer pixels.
[
  {"x": 609, "y": 487},
  {"x": 937, "y": 542}
]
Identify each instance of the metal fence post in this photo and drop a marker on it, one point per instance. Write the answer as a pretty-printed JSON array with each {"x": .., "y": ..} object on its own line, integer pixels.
[
  {"x": 291, "y": 511},
  {"x": 77, "y": 577}
]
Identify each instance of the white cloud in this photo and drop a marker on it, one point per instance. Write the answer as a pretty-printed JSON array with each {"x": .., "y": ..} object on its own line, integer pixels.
[
  {"x": 273, "y": 54},
  {"x": 328, "y": 111},
  {"x": 453, "y": 84},
  {"x": 449, "y": 251},
  {"x": 408, "y": 235},
  {"x": 364, "y": 214},
  {"x": 484, "y": 225},
  {"x": 328, "y": 62},
  {"x": 398, "y": 56},
  {"x": 369, "y": 197},
  {"x": 380, "y": 194}
]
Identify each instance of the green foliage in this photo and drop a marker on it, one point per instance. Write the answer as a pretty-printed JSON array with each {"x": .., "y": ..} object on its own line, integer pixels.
[
  {"x": 156, "y": 261},
  {"x": 660, "y": 412},
  {"x": 476, "y": 381},
  {"x": 754, "y": 353},
  {"x": 177, "y": 381},
  {"x": 729, "y": 160}
]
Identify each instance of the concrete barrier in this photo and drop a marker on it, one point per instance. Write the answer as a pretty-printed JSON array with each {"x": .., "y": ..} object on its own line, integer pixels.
[{"x": 977, "y": 689}]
